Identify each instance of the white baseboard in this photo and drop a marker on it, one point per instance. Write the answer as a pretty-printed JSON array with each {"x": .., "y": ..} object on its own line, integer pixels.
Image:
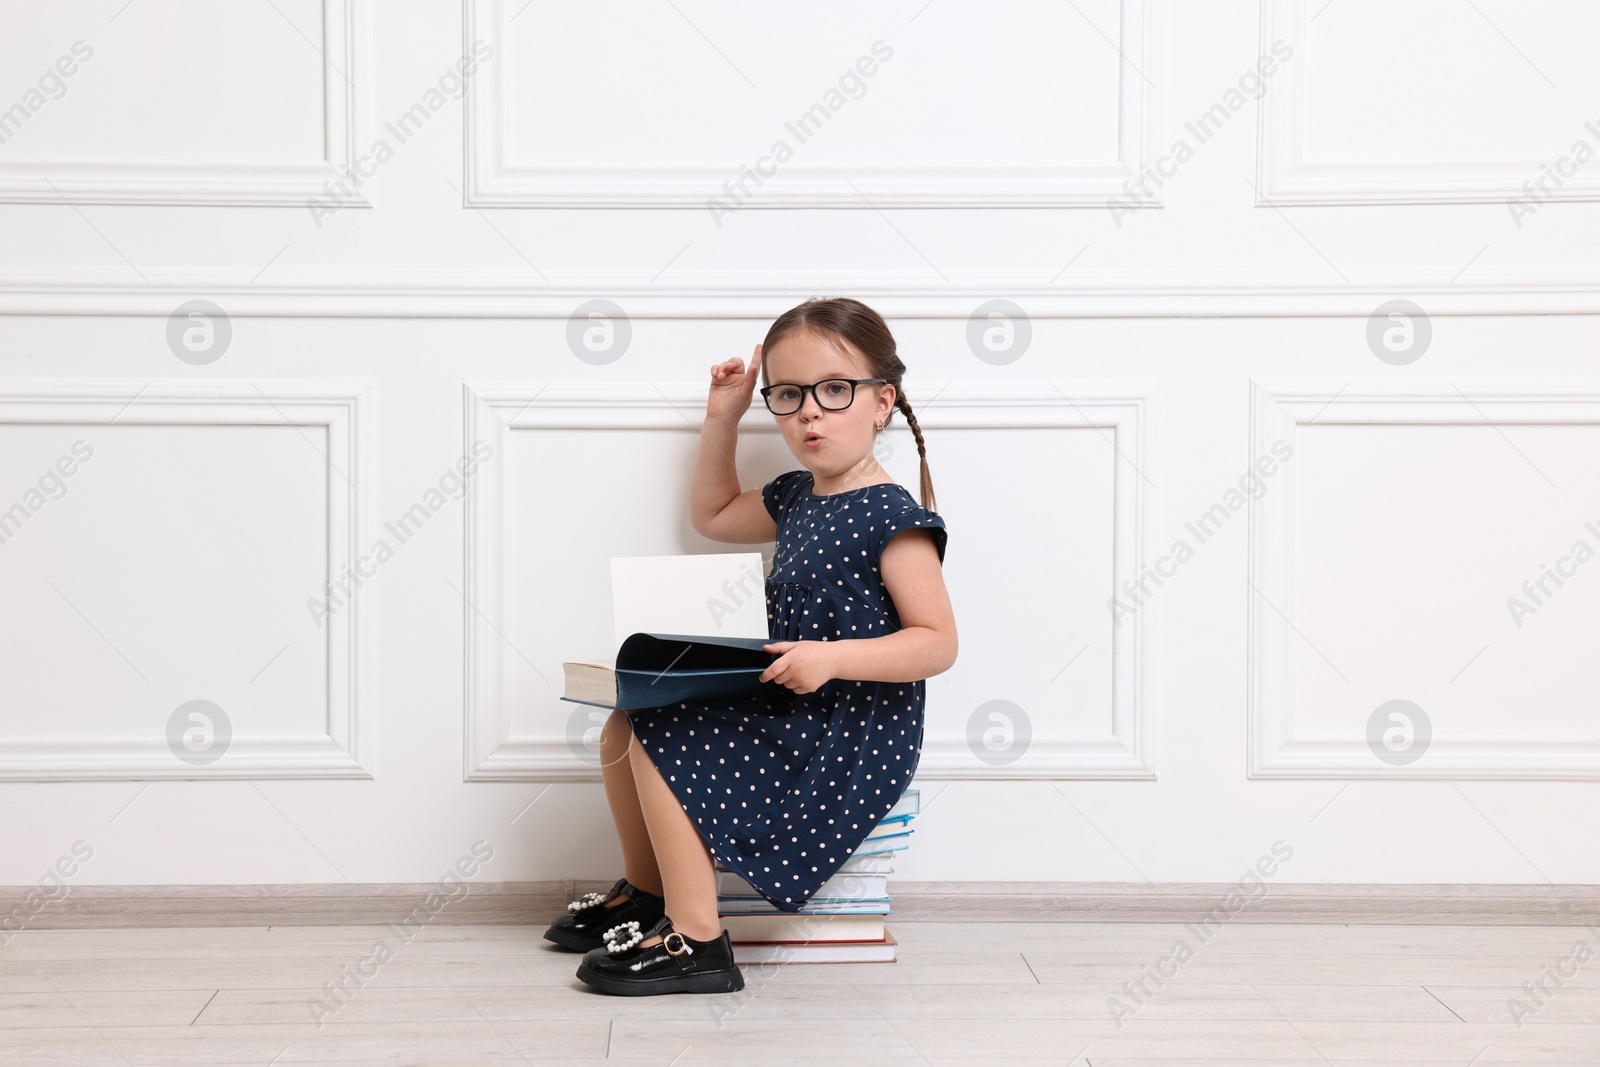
[{"x": 536, "y": 903}]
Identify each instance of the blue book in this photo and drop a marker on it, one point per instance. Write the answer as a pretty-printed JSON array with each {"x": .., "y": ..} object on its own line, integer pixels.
[
  {"x": 831, "y": 905},
  {"x": 654, "y": 670},
  {"x": 878, "y": 846},
  {"x": 910, "y": 803},
  {"x": 892, "y": 824}
]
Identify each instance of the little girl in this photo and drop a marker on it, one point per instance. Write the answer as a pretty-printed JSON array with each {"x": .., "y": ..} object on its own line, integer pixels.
[{"x": 782, "y": 791}]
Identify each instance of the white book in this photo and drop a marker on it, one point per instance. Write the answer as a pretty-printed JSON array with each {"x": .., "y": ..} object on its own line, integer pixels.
[
  {"x": 822, "y": 952},
  {"x": 715, "y": 595},
  {"x": 791, "y": 926}
]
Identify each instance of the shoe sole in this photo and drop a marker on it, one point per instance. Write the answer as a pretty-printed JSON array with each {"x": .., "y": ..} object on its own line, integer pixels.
[
  {"x": 572, "y": 942},
  {"x": 714, "y": 982}
]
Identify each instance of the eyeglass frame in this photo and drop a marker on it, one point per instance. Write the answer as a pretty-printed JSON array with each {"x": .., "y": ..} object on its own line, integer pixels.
[{"x": 766, "y": 393}]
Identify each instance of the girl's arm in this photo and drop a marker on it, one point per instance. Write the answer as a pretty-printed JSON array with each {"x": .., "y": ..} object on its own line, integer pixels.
[
  {"x": 923, "y": 647},
  {"x": 717, "y": 509}
]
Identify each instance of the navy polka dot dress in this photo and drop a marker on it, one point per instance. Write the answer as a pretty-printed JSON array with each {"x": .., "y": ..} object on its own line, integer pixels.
[{"x": 783, "y": 800}]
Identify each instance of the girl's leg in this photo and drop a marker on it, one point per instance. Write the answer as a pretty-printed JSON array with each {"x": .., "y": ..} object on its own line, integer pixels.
[
  {"x": 638, "y": 857},
  {"x": 684, "y": 858}
]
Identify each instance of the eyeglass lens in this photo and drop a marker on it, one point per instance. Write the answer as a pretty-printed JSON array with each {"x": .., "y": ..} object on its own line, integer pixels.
[{"x": 833, "y": 394}]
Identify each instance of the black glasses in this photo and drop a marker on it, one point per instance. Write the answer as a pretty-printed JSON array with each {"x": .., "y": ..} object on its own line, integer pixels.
[{"x": 832, "y": 394}]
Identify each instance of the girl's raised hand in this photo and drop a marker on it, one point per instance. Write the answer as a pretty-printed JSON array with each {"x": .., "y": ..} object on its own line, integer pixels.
[{"x": 732, "y": 387}]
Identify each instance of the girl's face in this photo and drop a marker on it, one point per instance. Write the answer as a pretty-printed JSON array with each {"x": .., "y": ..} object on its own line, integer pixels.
[{"x": 833, "y": 445}]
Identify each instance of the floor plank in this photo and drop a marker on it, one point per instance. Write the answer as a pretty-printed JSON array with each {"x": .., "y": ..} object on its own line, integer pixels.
[{"x": 1095, "y": 994}]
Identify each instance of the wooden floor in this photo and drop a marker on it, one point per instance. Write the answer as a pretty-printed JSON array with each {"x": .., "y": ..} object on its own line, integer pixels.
[{"x": 970, "y": 993}]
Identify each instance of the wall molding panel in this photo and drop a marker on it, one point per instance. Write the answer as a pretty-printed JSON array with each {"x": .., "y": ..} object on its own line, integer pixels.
[
  {"x": 1278, "y": 407},
  {"x": 762, "y": 295},
  {"x": 492, "y": 181},
  {"x": 339, "y": 410},
  {"x": 346, "y": 93},
  {"x": 1286, "y": 177},
  {"x": 1120, "y": 411}
]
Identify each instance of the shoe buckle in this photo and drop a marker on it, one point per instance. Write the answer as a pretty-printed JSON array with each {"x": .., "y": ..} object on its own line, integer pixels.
[
  {"x": 683, "y": 945},
  {"x": 622, "y": 937},
  {"x": 588, "y": 900}
]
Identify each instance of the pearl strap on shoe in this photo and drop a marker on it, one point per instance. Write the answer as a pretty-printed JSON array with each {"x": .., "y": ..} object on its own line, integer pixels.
[
  {"x": 588, "y": 900},
  {"x": 629, "y": 930}
]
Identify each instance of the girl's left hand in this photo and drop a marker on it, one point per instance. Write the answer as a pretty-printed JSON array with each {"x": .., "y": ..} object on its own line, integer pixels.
[{"x": 804, "y": 666}]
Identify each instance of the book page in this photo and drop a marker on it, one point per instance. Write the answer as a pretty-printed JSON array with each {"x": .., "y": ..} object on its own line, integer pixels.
[{"x": 721, "y": 594}]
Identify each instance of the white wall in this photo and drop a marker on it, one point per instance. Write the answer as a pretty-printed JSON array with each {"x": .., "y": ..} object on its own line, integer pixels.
[{"x": 374, "y": 338}]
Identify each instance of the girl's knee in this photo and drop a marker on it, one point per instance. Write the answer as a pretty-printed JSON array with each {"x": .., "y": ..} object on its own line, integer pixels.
[{"x": 616, "y": 734}]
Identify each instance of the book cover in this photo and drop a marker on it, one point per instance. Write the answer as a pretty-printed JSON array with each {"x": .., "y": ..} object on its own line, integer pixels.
[
  {"x": 893, "y": 824},
  {"x": 814, "y": 926},
  {"x": 753, "y": 952},
  {"x": 814, "y": 906},
  {"x": 886, "y": 835},
  {"x": 910, "y": 803},
  {"x": 655, "y": 669}
]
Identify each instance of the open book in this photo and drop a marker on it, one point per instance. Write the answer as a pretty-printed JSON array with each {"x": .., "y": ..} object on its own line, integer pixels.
[
  {"x": 652, "y": 670},
  {"x": 688, "y": 627}
]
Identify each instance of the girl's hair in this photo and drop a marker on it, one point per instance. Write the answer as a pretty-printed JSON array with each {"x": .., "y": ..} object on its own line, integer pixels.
[{"x": 842, "y": 318}]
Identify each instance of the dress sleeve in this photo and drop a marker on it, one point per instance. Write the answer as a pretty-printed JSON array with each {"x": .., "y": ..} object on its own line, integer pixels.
[
  {"x": 913, "y": 518},
  {"x": 778, "y": 493}
]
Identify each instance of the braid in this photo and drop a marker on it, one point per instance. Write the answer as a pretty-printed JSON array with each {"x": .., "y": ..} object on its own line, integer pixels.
[{"x": 904, "y": 405}]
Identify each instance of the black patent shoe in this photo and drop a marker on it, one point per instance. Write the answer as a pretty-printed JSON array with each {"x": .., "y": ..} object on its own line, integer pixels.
[
  {"x": 583, "y": 927},
  {"x": 679, "y": 964}
]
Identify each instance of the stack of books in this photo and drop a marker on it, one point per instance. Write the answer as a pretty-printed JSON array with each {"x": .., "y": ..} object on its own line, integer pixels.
[{"x": 843, "y": 922}]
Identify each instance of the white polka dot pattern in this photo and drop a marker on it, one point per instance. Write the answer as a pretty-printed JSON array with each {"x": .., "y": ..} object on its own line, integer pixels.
[{"x": 783, "y": 801}]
